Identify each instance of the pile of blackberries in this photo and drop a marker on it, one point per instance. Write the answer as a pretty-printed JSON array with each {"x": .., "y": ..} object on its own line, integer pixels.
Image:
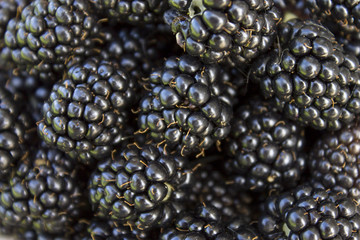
[{"x": 180, "y": 119}]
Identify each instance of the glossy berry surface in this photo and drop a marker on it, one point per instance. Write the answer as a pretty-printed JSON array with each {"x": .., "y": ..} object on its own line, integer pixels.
[
  {"x": 307, "y": 213},
  {"x": 334, "y": 161},
  {"x": 141, "y": 186},
  {"x": 86, "y": 112},
  {"x": 216, "y": 30},
  {"x": 43, "y": 193},
  {"x": 264, "y": 149},
  {"x": 188, "y": 107},
  {"x": 312, "y": 80}
]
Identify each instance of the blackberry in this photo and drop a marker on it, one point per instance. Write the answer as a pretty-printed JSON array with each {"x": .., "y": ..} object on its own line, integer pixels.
[
  {"x": 243, "y": 229},
  {"x": 43, "y": 194},
  {"x": 264, "y": 149},
  {"x": 203, "y": 223},
  {"x": 51, "y": 34},
  {"x": 86, "y": 113},
  {"x": 343, "y": 14},
  {"x": 136, "y": 12},
  {"x": 100, "y": 229},
  {"x": 188, "y": 108},
  {"x": 210, "y": 185},
  {"x": 309, "y": 213},
  {"x": 15, "y": 132},
  {"x": 215, "y": 30},
  {"x": 141, "y": 186},
  {"x": 334, "y": 161},
  {"x": 310, "y": 78}
]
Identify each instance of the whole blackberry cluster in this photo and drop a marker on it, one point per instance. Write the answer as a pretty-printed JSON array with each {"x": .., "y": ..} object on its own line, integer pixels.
[
  {"x": 140, "y": 186},
  {"x": 87, "y": 111},
  {"x": 179, "y": 119},
  {"x": 334, "y": 161},
  {"x": 310, "y": 213},
  {"x": 50, "y": 34},
  {"x": 136, "y": 12},
  {"x": 215, "y": 30},
  {"x": 310, "y": 78},
  {"x": 264, "y": 149},
  {"x": 187, "y": 108},
  {"x": 43, "y": 193}
]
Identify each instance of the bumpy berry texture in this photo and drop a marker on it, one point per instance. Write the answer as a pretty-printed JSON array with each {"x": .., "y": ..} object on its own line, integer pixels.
[
  {"x": 203, "y": 223},
  {"x": 243, "y": 230},
  {"x": 310, "y": 78},
  {"x": 86, "y": 113},
  {"x": 264, "y": 149},
  {"x": 43, "y": 194},
  {"x": 136, "y": 12},
  {"x": 214, "y": 30},
  {"x": 140, "y": 186},
  {"x": 334, "y": 161},
  {"x": 100, "y": 229},
  {"x": 14, "y": 126},
  {"x": 308, "y": 213},
  {"x": 51, "y": 34},
  {"x": 344, "y": 14},
  {"x": 211, "y": 186},
  {"x": 188, "y": 108}
]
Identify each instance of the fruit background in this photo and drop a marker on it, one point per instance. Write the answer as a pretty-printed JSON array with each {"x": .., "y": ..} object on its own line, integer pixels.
[{"x": 180, "y": 119}]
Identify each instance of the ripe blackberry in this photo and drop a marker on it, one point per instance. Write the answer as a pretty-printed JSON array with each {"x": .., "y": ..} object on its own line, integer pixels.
[
  {"x": 210, "y": 185},
  {"x": 203, "y": 223},
  {"x": 215, "y": 30},
  {"x": 100, "y": 229},
  {"x": 15, "y": 124},
  {"x": 343, "y": 14},
  {"x": 86, "y": 113},
  {"x": 140, "y": 186},
  {"x": 43, "y": 194},
  {"x": 308, "y": 213},
  {"x": 135, "y": 12},
  {"x": 188, "y": 107},
  {"x": 51, "y": 34},
  {"x": 264, "y": 149},
  {"x": 243, "y": 229},
  {"x": 334, "y": 161},
  {"x": 310, "y": 78}
]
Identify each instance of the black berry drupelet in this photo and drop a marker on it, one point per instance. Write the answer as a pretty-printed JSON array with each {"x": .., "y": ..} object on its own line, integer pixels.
[
  {"x": 264, "y": 149},
  {"x": 43, "y": 193},
  {"x": 135, "y": 12},
  {"x": 334, "y": 161},
  {"x": 310, "y": 78},
  {"x": 50, "y": 34},
  {"x": 15, "y": 125},
  {"x": 86, "y": 113},
  {"x": 140, "y": 186},
  {"x": 188, "y": 107},
  {"x": 214, "y": 30},
  {"x": 306, "y": 213}
]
